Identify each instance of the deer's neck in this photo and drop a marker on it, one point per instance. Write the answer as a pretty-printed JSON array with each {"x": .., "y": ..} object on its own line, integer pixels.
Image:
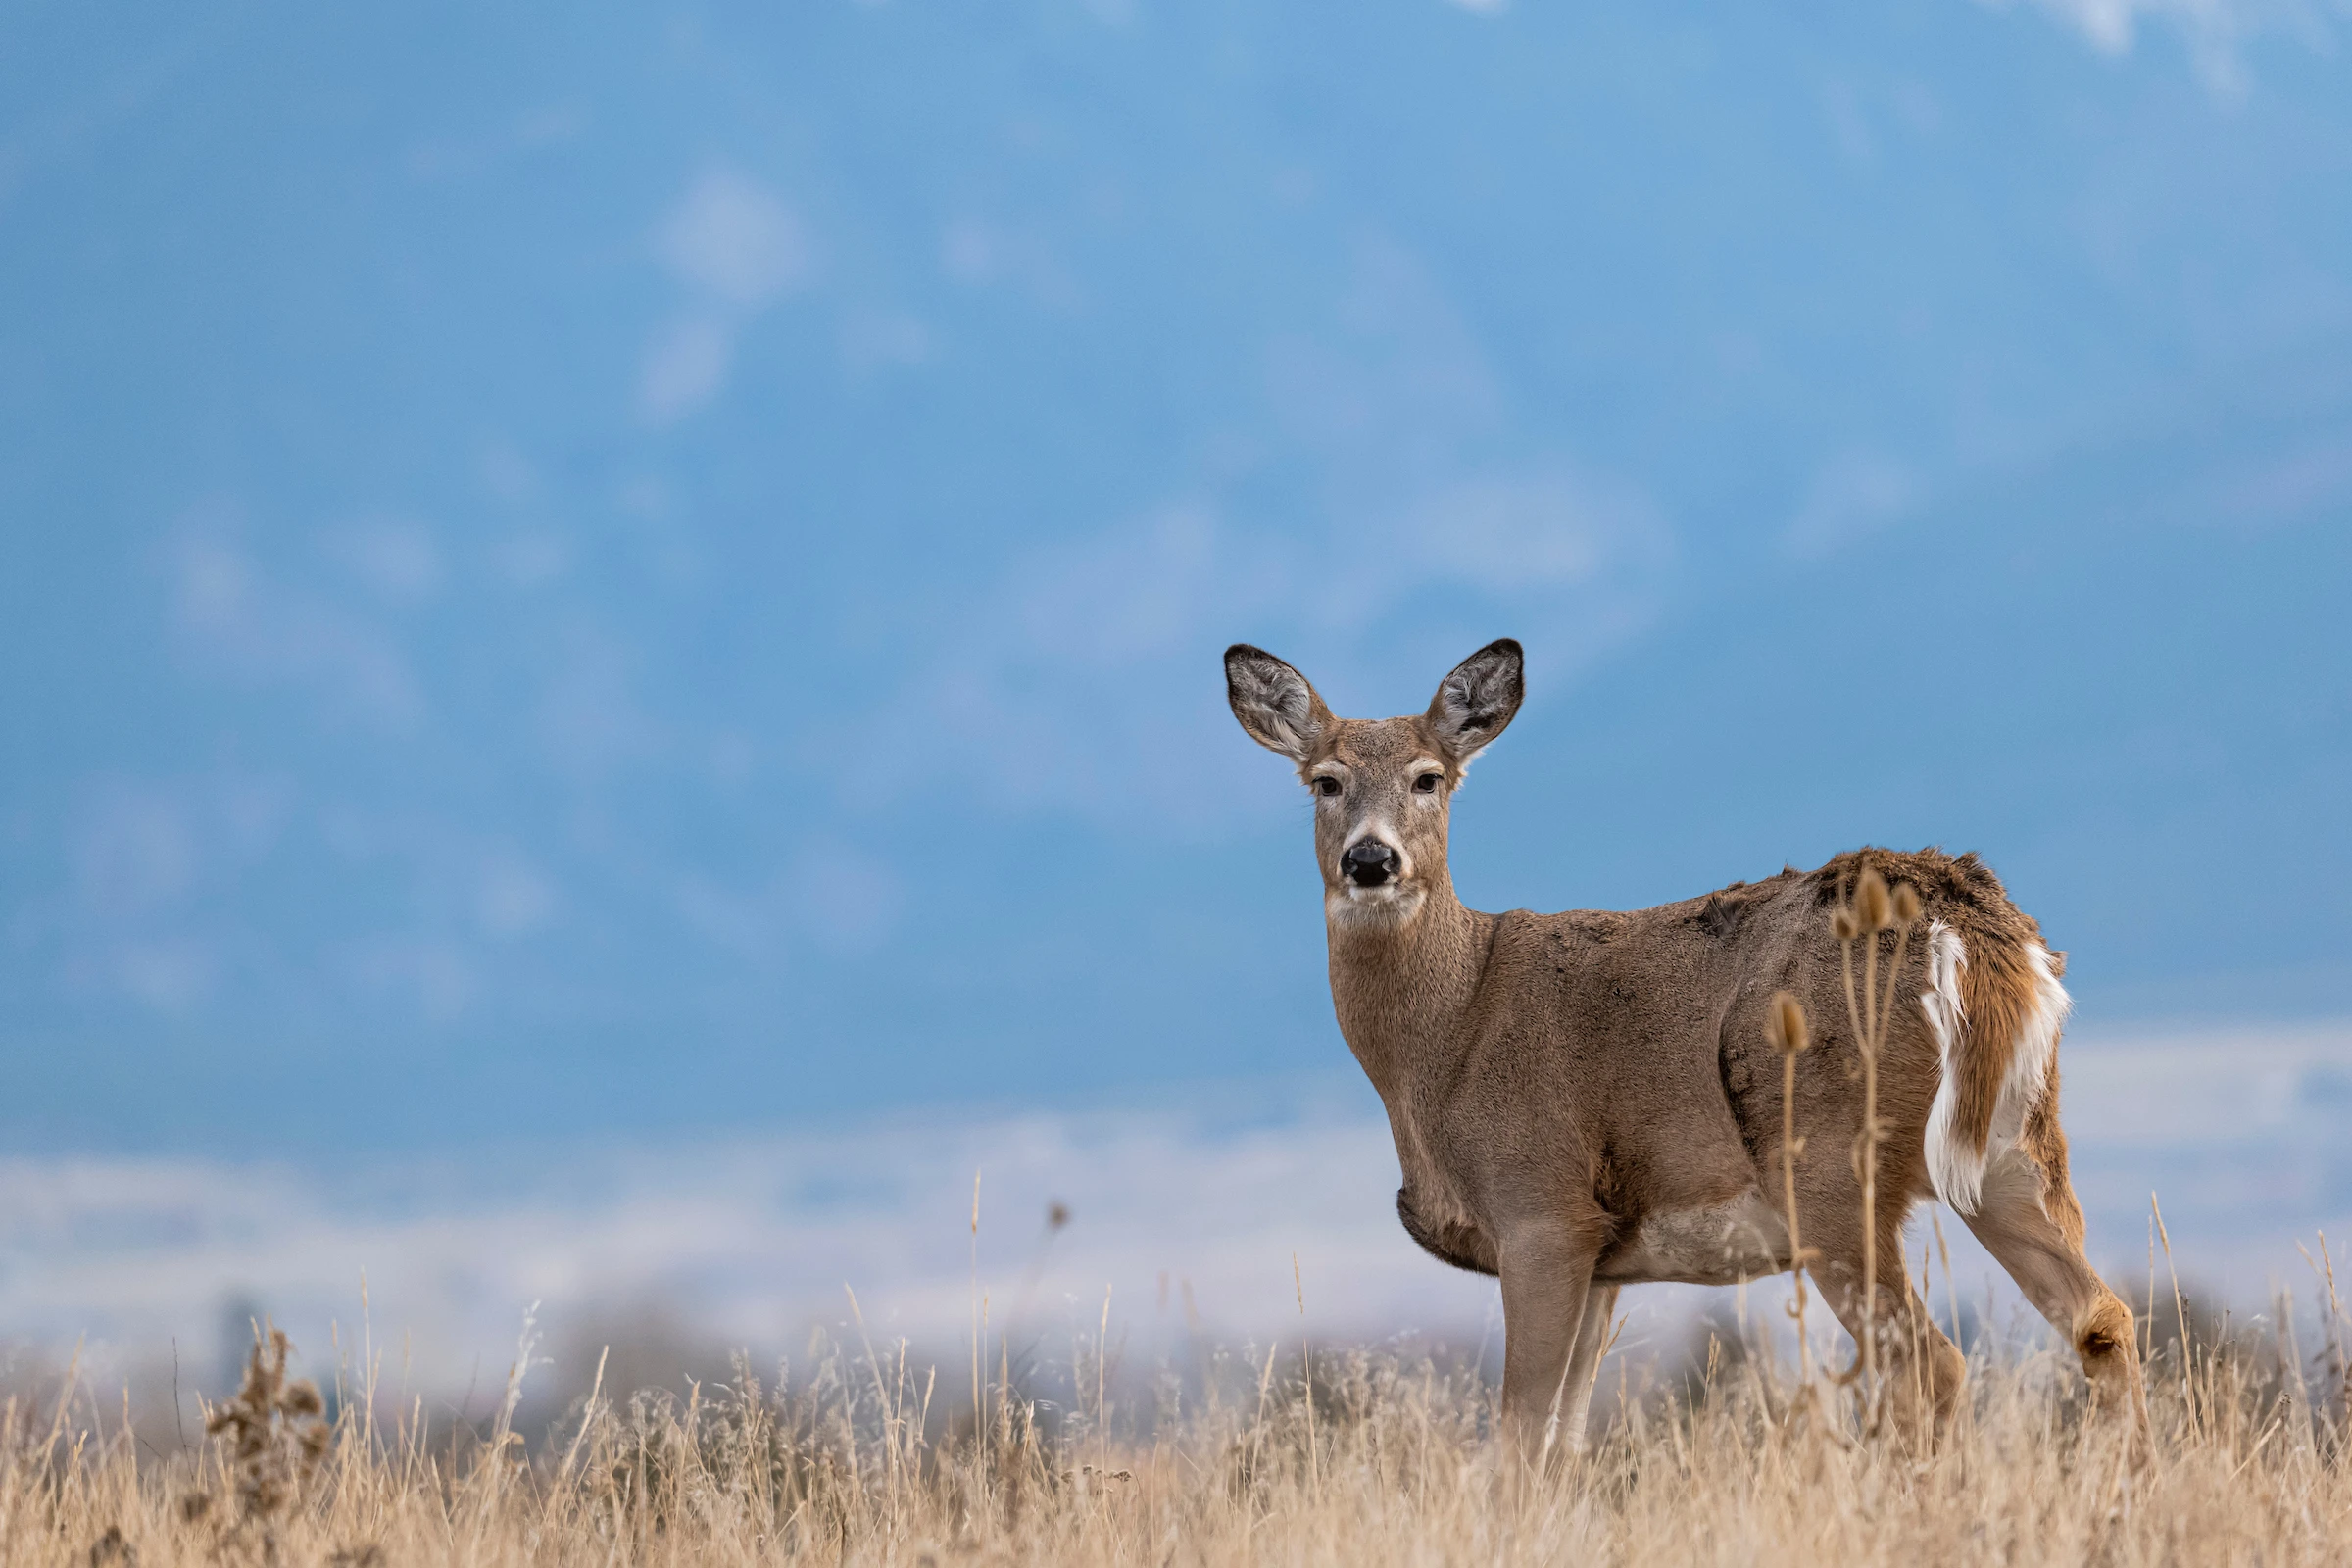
[{"x": 1402, "y": 991}]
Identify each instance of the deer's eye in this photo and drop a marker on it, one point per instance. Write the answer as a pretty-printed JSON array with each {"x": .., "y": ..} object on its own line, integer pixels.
[
  {"x": 1427, "y": 783},
  {"x": 1327, "y": 785}
]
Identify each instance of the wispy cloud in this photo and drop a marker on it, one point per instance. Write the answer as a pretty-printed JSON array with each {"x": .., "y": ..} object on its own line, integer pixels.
[
  {"x": 734, "y": 239},
  {"x": 1085, "y": 676},
  {"x": 737, "y": 248},
  {"x": 1852, "y": 495},
  {"x": 1089, "y": 678},
  {"x": 2214, "y": 31},
  {"x": 832, "y": 896},
  {"x": 143, "y": 856},
  {"x": 233, "y": 617}
]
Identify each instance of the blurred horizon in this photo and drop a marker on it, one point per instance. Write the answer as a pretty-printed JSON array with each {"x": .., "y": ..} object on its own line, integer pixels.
[
  {"x": 1226, "y": 1215},
  {"x": 640, "y": 578}
]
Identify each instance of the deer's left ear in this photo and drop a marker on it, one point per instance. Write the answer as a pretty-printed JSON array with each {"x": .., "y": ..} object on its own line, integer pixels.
[{"x": 1476, "y": 701}]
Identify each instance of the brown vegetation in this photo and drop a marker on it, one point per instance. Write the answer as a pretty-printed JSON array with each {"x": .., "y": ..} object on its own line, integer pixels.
[{"x": 1376, "y": 1458}]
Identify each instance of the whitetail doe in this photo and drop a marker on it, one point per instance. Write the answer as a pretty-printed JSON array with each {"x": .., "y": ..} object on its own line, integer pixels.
[{"x": 1588, "y": 1100}]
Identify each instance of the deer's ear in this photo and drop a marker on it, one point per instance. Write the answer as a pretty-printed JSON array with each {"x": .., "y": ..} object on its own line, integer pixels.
[
  {"x": 1476, "y": 701},
  {"x": 1274, "y": 703}
]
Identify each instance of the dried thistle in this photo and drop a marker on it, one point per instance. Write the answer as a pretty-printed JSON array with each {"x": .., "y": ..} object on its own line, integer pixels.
[
  {"x": 1875, "y": 908},
  {"x": 110, "y": 1550},
  {"x": 1872, "y": 906},
  {"x": 1785, "y": 1023},
  {"x": 1785, "y": 1027},
  {"x": 276, "y": 1435}
]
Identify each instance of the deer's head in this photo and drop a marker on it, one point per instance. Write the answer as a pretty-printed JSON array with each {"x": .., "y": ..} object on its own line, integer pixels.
[{"x": 1382, "y": 787}]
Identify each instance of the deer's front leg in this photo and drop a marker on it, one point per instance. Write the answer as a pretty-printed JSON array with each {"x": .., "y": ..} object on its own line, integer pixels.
[{"x": 1546, "y": 1277}]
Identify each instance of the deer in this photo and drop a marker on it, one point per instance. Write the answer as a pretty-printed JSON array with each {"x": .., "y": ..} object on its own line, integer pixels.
[{"x": 1594, "y": 1099}]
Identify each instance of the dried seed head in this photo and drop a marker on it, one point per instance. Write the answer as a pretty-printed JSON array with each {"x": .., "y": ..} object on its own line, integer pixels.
[
  {"x": 1871, "y": 903},
  {"x": 1843, "y": 924},
  {"x": 301, "y": 1398},
  {"x": 1785, "y": 1023},
  {"x": 1906, "y": 906}
]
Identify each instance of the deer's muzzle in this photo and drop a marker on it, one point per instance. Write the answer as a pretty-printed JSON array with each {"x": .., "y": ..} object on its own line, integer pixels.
[{"x": 1368, "y": 864}]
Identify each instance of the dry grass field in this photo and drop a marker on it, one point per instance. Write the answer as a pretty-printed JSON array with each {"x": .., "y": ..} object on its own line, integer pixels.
[{"x": 1337, "y": 1457}]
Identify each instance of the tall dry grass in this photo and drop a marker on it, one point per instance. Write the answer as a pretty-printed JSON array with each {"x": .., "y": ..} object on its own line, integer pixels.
[
  {"x": 1375, "y": 1458},
  {"x": 1334, "y": 1455}
]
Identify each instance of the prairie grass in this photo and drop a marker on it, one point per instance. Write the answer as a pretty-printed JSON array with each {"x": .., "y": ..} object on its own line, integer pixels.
[{"x": 1356, "y": 1457}]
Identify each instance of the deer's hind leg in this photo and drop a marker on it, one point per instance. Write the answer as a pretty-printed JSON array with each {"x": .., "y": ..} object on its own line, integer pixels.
[{"x": 2028, "y": 1217}]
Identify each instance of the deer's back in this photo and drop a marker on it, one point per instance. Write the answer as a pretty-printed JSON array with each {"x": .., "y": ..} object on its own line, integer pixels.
[{"x": 1623, "y": 1052}]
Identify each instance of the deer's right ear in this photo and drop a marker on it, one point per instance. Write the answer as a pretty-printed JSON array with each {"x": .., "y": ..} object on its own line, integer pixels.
[{"x": 1274, "y": 703}]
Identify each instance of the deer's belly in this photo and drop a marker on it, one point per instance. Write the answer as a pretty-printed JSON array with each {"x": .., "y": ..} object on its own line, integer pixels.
[{"x": 1722, "y": 1243}]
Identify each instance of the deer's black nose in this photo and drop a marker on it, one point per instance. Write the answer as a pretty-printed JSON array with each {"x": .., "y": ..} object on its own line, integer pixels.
[{"x": 1369, "y": 863}]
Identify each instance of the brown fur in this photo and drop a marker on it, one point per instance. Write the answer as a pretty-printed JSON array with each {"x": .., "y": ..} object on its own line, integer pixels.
[
  {"x": 1587, "y": 1099},
  {"x": 1996, "y": 984}
]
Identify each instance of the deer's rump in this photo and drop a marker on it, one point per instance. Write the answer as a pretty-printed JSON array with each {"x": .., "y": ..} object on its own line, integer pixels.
[{"x": 1971, "y": 1064}]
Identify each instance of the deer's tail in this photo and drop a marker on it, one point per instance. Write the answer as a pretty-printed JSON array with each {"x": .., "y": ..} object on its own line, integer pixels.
[{"x": 1994, "y": 1004}]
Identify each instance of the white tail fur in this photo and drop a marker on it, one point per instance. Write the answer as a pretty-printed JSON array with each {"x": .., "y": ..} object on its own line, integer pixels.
[{"x": 1954, "y": 1167}]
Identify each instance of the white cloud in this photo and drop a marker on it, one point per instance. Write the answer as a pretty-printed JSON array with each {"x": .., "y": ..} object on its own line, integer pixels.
[
  {"x": 847, "y": 901},
  {"x": 2302, "y": 483},
  {"x": 432, "y": 978},
  {"x": 737, "y": 248},
  {"x": 398, "y": 558},
  {"x": 2110, "y": 25},
  {"x": 751, "y": 1238},
  {"x": 588, "y": 719},
  {"x": 145, "y": 859},
  {"x": 875, "y": 340},
  {"x": 233, "y": 619},
  {"x": 168, "y": 974},
  {"x": 514, "y": 896},
  {"x": 981, "y": 252},
  {"x": 2214, "y": 31},
  {"x": 1852, "y": 495},
  {"x": 532, "y": 560},
  {"x": 1086, "y": 678},
  {"x": 133, "y": 852},
  {"x": 686, "y": 367},
  {"x": 834, "y": 897},
  {"x": 734, "y": 239},
  {"x": 1512, "y": 534}
]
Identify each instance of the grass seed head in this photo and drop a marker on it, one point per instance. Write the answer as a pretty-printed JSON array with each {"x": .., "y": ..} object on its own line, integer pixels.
[
  {"x": 1872, "y": 906},
  {"x": 1785, "y": 1023},
  {"x": 1906, "y": 906},
  {"x": 1843, "y": 924}
]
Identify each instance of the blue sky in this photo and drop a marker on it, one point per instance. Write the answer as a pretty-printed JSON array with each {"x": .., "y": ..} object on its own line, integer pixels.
[{"x": 636, "y": 568}]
